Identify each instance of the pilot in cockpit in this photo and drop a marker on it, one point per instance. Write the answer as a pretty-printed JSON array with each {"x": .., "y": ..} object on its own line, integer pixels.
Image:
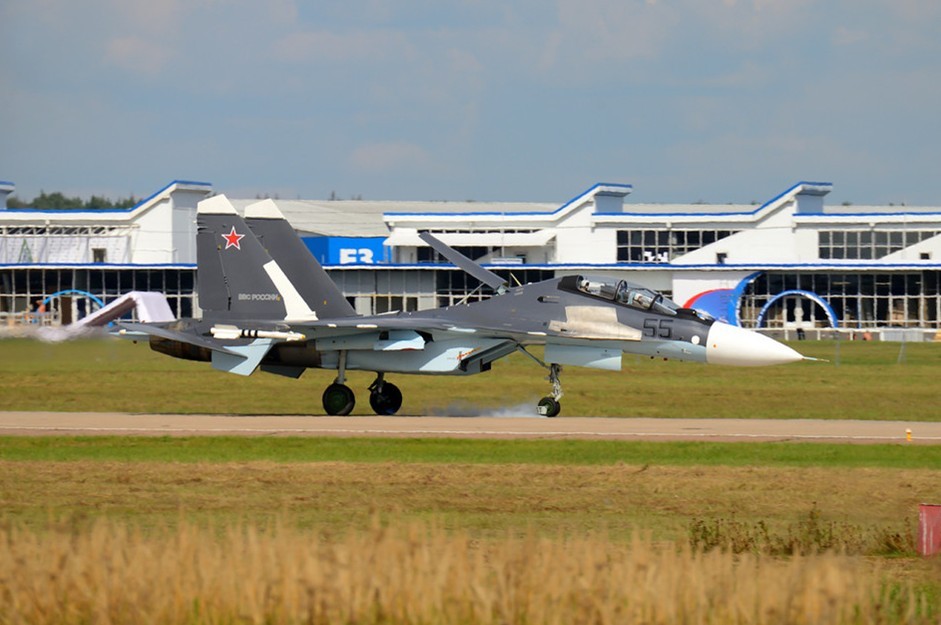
[{"x": 638, "y": 298}]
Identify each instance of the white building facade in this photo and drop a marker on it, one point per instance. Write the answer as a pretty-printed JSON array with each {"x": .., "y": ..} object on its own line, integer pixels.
[
  {"x": 58, "y": 265},
  {"x": 792, "y": 262}
]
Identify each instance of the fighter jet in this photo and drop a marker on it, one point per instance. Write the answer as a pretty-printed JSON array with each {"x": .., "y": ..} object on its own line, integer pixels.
[{"x": 268, "y": 304}]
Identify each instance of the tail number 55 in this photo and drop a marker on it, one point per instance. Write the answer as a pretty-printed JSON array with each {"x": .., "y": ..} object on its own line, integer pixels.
[{"x": 658, "y": 328}]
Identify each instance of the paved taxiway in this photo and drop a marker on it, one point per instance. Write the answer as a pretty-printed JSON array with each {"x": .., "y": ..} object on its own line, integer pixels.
[{"x": 125, "y": 424}]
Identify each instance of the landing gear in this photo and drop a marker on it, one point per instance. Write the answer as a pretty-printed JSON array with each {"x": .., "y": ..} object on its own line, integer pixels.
[
  {"x": 549, "y": 406},
  {"x": 384, "y": 397},
  {"x": 338, "y": 400}
]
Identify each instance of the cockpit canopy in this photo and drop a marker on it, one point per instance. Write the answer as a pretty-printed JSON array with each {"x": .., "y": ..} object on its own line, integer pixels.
[{"x": 624, "y": 292}]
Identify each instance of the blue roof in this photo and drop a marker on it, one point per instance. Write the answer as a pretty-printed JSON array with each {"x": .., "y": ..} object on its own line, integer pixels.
[
  {"x": 112, "y": 210},
  {"x": 776, "y": 198}
]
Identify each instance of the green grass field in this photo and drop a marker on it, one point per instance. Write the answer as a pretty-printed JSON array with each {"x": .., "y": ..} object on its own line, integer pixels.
[
  {"x": 862, "y": 381},
  {"x": 218, "y": 449}
]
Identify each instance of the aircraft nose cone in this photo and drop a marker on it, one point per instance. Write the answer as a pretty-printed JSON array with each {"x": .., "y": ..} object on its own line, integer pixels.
[{"x": 731, "y": 345}]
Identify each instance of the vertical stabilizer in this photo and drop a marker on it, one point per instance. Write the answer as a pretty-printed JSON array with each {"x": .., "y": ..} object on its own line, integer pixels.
[
  {"x": 300, "y": 267},
  {"x": 237, "y": 278}
]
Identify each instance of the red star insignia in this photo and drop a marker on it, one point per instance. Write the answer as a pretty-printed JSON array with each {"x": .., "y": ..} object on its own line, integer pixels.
[{"x": 232, "y": 239}]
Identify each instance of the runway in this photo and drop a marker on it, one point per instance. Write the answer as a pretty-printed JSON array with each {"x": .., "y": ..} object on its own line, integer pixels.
[{"x": 127, "y": 424}]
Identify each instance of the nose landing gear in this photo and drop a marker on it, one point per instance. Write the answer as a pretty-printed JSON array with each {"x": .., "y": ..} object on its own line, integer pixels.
[{"x": 549, "y": 406}]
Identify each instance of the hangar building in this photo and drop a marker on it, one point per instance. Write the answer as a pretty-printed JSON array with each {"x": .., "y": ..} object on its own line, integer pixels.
[{"x": 791, "y": 262}]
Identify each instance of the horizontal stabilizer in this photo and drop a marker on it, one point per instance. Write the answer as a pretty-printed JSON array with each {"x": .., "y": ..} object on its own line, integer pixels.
[
  {"x": 242, "y": 360},
  {"x": 133, "y": 330}
]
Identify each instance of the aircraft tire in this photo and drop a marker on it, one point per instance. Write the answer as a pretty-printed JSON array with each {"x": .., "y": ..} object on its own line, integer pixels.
[
  {"x": 549, "y": 407},
  {"x": 387, "y": 401},
  {"x": 338, "y": 400}
]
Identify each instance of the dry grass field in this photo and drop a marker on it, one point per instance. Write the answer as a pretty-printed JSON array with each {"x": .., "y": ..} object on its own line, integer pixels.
[
  {"x": 103, "y": 541},
  {"x": 421, "y": 574},
  {"x": 487, "y": 500}
]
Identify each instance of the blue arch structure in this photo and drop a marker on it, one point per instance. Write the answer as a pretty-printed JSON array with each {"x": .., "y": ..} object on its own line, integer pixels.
[
  {"x": 831, "y": 314},
  {"x": 735, "y": 301},
  {"x": 723, "y": 304},
  {"x": 73, "y": 292},
  {"x": 98, "y": 301}
]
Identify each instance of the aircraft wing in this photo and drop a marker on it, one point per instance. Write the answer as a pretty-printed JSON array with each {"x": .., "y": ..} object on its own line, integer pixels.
[{"x": 140, "y": 330}]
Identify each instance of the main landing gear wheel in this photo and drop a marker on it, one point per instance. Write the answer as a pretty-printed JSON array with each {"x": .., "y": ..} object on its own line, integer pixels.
[
  {"x": 387, "y": 401},
  {"x": 384, "y": 397},
  {"x": 338, "y": 400},
  {"x": 549, "y": 407}
]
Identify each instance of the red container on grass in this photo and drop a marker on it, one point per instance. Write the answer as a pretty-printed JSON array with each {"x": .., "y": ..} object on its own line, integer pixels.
[{"x": 929, "y": 529}]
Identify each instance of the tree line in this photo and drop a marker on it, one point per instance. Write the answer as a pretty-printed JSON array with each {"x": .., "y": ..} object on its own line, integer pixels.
[{"x": 57, "y": 200}]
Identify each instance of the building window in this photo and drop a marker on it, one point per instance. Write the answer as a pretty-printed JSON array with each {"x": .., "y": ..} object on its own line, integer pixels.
[
  {"x": 457, "y": 287},
  {"x": 866, "y": 244},
  {"x": 20, "y": 288},
  {"x": 859, "y": 300},
  {"x": 394, "y": 303},
  {"x": 99, "y": 255},
  {"x": 662, "y": 246}
]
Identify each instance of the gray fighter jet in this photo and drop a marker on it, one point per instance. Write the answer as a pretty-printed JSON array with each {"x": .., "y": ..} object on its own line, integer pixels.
[{"x": 268, "y": 304}]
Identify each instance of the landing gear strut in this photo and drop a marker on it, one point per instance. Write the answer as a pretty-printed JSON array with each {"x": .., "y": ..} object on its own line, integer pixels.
[
  {"x": 549, "y": 406},
  {"x": 338, "y": 398},
  {"x": 384, "y": 397}
]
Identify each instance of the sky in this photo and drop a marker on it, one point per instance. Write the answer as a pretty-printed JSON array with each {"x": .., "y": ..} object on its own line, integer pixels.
[{"x": 713, "y": 101}]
